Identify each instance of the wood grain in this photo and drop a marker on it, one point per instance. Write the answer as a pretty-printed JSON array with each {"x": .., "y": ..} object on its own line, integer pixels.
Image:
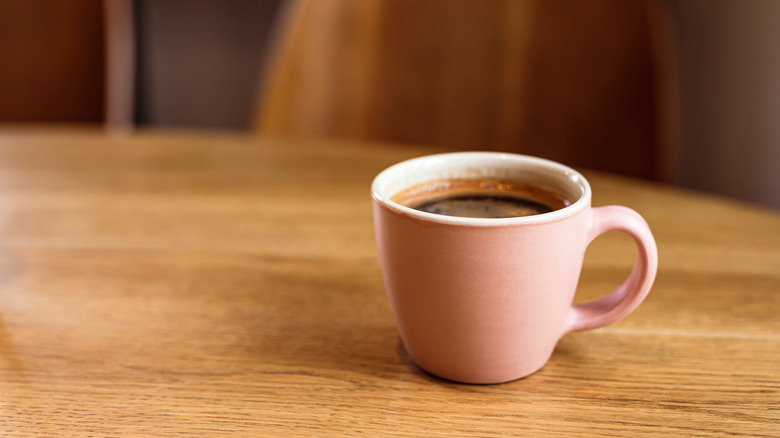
[{"x": 175, "y": 284}]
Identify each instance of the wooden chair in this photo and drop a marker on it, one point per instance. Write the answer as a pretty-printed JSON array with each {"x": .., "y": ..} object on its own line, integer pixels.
[
  {"x": 66, "y": 61},
  {"x": 569, "y": 80}
]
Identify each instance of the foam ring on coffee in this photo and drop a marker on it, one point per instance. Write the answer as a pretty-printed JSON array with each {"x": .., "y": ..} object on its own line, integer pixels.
[{"x": 483, "y": 198}]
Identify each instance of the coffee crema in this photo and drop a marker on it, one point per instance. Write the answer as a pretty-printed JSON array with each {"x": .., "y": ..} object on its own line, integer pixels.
[{"x": 481, "y": 198}]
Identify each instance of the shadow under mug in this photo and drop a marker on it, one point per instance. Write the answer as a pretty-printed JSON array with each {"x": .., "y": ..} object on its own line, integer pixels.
[{"x": 485, "y": 300}]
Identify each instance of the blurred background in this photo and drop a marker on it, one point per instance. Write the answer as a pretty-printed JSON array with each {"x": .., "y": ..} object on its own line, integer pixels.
[{"x": 684, "y": 92}]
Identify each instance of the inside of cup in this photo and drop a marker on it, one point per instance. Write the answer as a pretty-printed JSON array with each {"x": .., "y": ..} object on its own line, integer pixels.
[{"x": 543, "y": 173}]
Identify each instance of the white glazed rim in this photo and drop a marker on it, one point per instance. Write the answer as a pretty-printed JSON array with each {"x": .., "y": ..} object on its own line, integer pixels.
[{"x": 473, "y": 165}]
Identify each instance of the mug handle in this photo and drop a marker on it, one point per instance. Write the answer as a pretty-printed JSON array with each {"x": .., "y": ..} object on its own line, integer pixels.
[{"x": 627, "y": 297}]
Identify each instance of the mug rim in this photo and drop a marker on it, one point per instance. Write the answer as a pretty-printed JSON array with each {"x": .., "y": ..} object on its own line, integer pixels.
[{"x": 560, "y": 172}]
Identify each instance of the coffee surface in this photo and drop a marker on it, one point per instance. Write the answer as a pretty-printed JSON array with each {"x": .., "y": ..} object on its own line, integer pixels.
[{"x": 484, "y": 198}]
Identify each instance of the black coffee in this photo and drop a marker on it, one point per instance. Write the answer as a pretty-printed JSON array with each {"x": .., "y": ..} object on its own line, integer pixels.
[
  {"x": 484, "y": 206},
  {"x": 487, "y": 198}
]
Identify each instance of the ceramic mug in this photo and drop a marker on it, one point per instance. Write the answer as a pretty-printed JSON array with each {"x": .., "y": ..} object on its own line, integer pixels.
[{"x": 485, "y": 300}]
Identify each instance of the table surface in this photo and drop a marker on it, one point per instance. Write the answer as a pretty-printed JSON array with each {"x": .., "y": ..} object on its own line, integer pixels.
[{"x": 215, "y": 284}]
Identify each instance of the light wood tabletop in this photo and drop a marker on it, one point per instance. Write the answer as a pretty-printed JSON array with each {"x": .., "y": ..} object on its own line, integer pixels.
[{"x": 202, "y": 284}]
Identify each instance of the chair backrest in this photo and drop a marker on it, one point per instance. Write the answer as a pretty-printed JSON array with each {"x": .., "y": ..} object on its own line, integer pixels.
[
  {"x": 52, "y": 61},
  {"x": 568, "y": 80},
  {"x": 66, "y": 61}
]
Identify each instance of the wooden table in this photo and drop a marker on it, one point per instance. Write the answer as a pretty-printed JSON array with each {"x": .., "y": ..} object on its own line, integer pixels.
[{"x": 164, "y": 284}]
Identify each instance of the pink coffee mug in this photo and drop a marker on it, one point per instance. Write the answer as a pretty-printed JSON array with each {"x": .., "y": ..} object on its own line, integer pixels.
[{"x": 485, "y": 300}]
